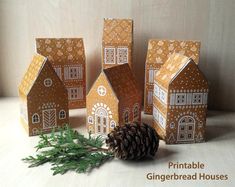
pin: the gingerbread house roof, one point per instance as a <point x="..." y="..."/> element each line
<point x="159" y="50"/>
<point x="117" y="31"/>
<point x="171" y="68"/>
<point x="61" y="50"/>
<point x="31" y="74"/>
<point x="122" y="81"/>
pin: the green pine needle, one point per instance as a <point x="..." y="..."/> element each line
<point x="68" y="150"/>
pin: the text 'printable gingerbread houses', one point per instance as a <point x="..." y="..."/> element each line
<point x="114" y="99"/>
<point x="157" y="54"/>
<point x="43" y="98"/>
<point x="117" y="42"/>
<point x="67" y="57"/>
<point x="180" y="101"/>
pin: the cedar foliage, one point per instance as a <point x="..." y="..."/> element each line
<point x="69" y="150"/>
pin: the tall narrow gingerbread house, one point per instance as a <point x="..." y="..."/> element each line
<point x="43" y="98"/>
<point x="158" y="52"/>
<point x="117" y="42"/>
<point x="67" y="57"/>
<point x="180" y="101"/>
<point x="114" y="99"/>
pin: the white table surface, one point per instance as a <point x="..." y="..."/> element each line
<point x="217" y="154"/>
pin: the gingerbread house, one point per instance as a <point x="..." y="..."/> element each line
<point x="158" y="52"/>
<point x="43" y="98"/>
<point x="117" y="42"/>
<point x="180" y="101"/>
<point x="114" y="99"/>
<point x="67" y="57"/>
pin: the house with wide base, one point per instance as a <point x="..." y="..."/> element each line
<point x="114" y="99"/>
<point x="180" y="101"/>
<point x="43" y="98"/>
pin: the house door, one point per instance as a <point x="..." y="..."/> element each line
<point x="101" y="121"/>
<point x="186" y="129"/>
<point x="49" y="118"/>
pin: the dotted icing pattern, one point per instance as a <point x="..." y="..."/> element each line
<point x="158" y="53"/>
<point x="64" y="53"/>
<point x="117" y="31"/>
<point x="31" y="74"/>
<point x="61" y="50"/>
<point x="126" y="86"/>
<point x="181" y="75"/>
<point x="160" y="50"/>
<point x="121" y="94"/>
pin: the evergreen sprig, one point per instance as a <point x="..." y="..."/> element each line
<point x="68" y="150"/>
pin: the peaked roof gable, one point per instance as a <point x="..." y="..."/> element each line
<point x="171" y="68"/>
<point x="159" y="50"/>
<point x="61" y="49"/>
<point x="117" y="31"/>
<point x="122" y="81"/>
<point x="31" y="74"/>
<point x="101" y="78"/>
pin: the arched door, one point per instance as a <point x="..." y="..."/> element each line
<point x="186" y="128"/>
<point x="101" y="120"/>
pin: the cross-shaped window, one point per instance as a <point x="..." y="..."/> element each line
<point x="101" y="90"/>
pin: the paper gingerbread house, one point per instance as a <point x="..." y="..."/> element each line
<point x="158" y="53"/>
<point x="114" y="99"/>
<point x="180" y="101"/>
<point x="43" y="98"/>
<point x="67" y="57"/>
<point x="117" y="42"/>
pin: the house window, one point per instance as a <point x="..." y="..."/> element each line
<point x="73" y="72"/>
<point x="151" y="76"/>
<point x="75" y="93"/>
<point x="90" y="120"/>
<point x="156" y="90"/>
<point x="109" y="55"/>
<point x="197" y="98"/>
<point x="122" y="55"/>
<point x="186" y="128"/>
<point x="162" y="121"/>
<point x="172" y="125"/>
<point x="189" y="98"/>
<point x="58" y="72"/>
<point x="126" y="116"/>
<point x="136" y="111"/>
<point x="101" y="90"/>
<point x="62" y="114"/>
<point x="150" y="97"/>
<point x="180" y="99"/>
<point x="172" y="99"/>
<point x="155" y="113"/>
<point x="112" y="124"/>
<point x="35" y="118"/>
<point x="205" y="98"/>
<point x="163" y="96"/>
<point x="47" y="82"/>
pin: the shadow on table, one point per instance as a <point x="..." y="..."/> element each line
<point x="162" y="155"/>
<point x="219" y="133"/>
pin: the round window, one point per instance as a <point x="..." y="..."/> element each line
<point x="101" y="90"/>
<point x="48" y="82"/>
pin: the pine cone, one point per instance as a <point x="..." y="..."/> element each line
<point x="133" y="141"/>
